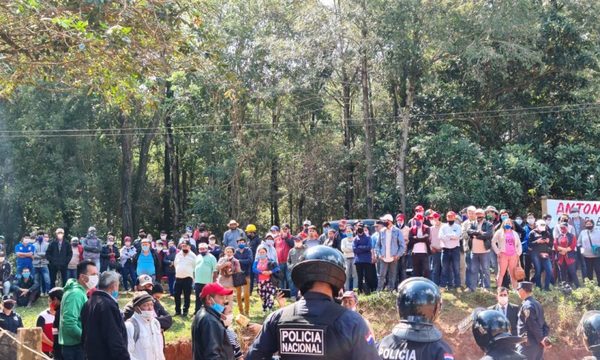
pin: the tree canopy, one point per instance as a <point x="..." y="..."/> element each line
<point x="161" y="113"/>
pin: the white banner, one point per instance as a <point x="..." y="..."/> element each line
<point x="587" y="209"/>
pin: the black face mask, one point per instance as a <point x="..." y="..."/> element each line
<point x="450" y="222"/>
<point x="186" y="251"/>
<point x="480" y="219"/>
<point x="8" y="305"/>
<point x="589" y="227"/>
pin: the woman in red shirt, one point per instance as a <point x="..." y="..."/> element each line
<point x="566" y="246"/>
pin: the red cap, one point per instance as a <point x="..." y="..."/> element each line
<point x="419" y="208"/>
<point x="450" y="215"/>
<point x="419" y="217"/>
<point x="435" y="215"/>
<point x="399" y="217"/>
<point x="214" y="289"/>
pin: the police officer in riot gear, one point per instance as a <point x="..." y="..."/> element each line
<point x="415" y="337"/>
<point x="315" y="327"/>
<point x="491" y="330"/>
<point x="589" y="328"/>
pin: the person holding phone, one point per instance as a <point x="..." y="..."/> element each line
<point x="266" y="270"/>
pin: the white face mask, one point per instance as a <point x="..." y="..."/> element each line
<point x="541" y="228"/>
<point x="530" y="221"/>
<point x="147" y="314"/>
<point x="110" y="243"/>
<point x="92" y="281"/>
<point x="503" y="300"/>
<point x="228" y="320"/>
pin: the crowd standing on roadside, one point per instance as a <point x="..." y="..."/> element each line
<point x="421" y="252"/>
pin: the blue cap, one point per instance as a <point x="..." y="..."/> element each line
<point x="274" y="228"/>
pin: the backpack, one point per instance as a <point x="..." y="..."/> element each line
<point x="136" y="329"/>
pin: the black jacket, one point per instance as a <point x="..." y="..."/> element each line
<point x="56" y="258"/>
<point x="103" y="330"/>
<point x="347" y="335"/>
<point x="106" y="262"/>
<point x="5" y="272"/>
<point x="209" y="338"/>
<point x="512" y="313"/>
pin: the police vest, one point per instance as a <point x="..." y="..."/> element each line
<point x="301" y="336"/>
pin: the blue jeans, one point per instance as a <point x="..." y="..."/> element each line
<point x="283" y="270"/>
<point x="71" y="274"/>
<point x="171" y="281"/>
<point x="580" y="263"/>
<point x="451" y="268"/>
<point x="493" y="261"/>
<point x="436" y="266"/>
<point x="468" y="281"/>
<point x="351" y="276"/>
<point x="129" y="275"/>
<point x="43" y="277"/>
<point x="293" y="289"/>
<point x="568" y="273"/>
<point x="73" y="352"/>
<point x="480" y="264"/>
<point x="6" y="288"/>
<point x="540" y="264"/>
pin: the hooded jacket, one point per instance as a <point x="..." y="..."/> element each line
<point x="74" y="298"/>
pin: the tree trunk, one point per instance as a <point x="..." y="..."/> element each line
<point x="142" y="169"/>
<point x="369" y="131"/>
<point x="170" y="171"/>
<point x="301" y="201"/>
<point x="401" y="155"/>
<point x="274" y="188"/>
<point x="126" y="176"/>
<point x="349" y="188"/>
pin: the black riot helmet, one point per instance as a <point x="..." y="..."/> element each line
<point x="490" y="328"/>
<point x="589" y="327"/>
<point x="320" y="263"/>
<point x="419" y="301"/>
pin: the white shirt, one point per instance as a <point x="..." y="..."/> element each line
<point x="185" y="265"/>
<point x="388" y="246"/>
<point x="446" y="232"/>
<point x="149" y="345"/>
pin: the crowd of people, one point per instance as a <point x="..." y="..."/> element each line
<point x="458" y="254"/>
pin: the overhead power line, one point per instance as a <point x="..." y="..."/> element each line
<point x="511" y="115"/>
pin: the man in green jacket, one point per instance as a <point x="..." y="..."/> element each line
<point x="69" y="334"/>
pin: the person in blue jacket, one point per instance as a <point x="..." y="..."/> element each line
<point x="363" y="260"/>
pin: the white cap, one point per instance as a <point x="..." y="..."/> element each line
<point x="307" y="223"/>
<point x="387" y="217"/>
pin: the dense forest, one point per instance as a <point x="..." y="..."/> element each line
<point x="161" y="113"/>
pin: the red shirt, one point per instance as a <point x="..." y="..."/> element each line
<point x="282" y="249"/>
<point x="563" y="241"/>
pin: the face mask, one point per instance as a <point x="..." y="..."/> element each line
<point x="8" y="305"/>
<point x="92" y="281"/>
<point x="147" y="314"/>
<point x="507" y="227"/>
<point x="479" y="218"/>
<point x="1" y="259"/>
<point x="26" y="275"/>
<point x="541" y="228"/>
<point x="503" y="300"/>
<point x="218" y="308"/>
<point x="349" y="235"/>
<point x="451" y="222"/>
<point x="228" y="320"/>
<point x="589" y="227"/>
<point x="298" y="244"/>
<point x="530" y="221"/>
<point x="576" y="214"/>
<point x="163" y="237"/>
<point x="261" y="257"/>
<point x="242" y="246"/>
<point x="110" y="243"/>
<point x="203" y="252"/>
<point x="418" y="223"/>
<point x="353" y="308"/>
<point x="115" y="294"/>
<point x="128" y="244"/>
<point x="74" y="244"/>
<point x="519" y="221"/>
<point x="186" y="251"/>
<point x="270" y="242"/>
<point x="563" y="230"/>
<point x="212" y="242"/>
<point x="489" y="217"/>
<point x="189" y="233"/>
<point x="159" y="248"/>
<point x="145" y="248"/>
<point x="504" y="217"/>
